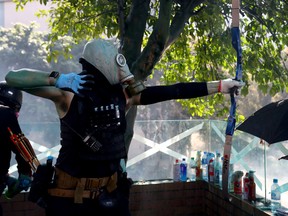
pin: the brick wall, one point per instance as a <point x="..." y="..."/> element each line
<point x="216" y="205"/>
<point x="164" y="199"/>
<point x="19" y="206"/>
<point x="168" y="199"/>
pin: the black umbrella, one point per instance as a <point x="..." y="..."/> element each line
<point x="269" y="123"/>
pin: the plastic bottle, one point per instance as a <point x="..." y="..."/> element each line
<point x="221" y="170"/>
<point x="252" y="187"/>
<point x="245" y="186"/>
<point x="183" y="170"/>
<point x="49" y="161"/>
<point x="176" y="170"/>
<point x="217" y="167"/>
<point x="211" y="171"/>
<point x="204" y="166"/>
<point x="230" y="178"/>
<point x="209" y="156"/>
<point x="198" y="166"/>
<point x="237" y="179"/>
<point x="192" y="166"/>
<point x="49" y="164"/>
<point x="275" y="196"/>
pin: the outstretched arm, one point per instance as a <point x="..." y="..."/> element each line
<point x="157" y="94"/>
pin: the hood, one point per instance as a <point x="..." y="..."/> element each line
<point x="103" y="55"/>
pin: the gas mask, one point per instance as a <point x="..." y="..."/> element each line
<point x="104" y="56"/>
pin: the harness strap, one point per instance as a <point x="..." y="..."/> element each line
<point x="89" y="194"/>
<point x="67" y="193"/>
<point x="78" y="197"/>
<point x="79" y="188"/>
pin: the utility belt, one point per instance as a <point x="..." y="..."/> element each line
<point x="79" y="188"/>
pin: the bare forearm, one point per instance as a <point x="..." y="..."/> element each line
<point x="28" y="78"/>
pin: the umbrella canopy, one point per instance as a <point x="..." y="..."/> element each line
<point x="284" y="157"/>
<point x="269" y="123"/>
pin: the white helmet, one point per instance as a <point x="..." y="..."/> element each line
<point x="104" y="55"/>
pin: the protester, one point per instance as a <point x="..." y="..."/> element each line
<point x="10" y="104"/>
<point x="91" y="106"/>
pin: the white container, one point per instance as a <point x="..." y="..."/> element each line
<point x="192" y="166"/>
<point x="176" y="171"/>
<point x="275" y="196"/>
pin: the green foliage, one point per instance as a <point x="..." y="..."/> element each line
<point x="202" y="52"/>
<point x="197" y="56"/>
<point x="82" y="20"/>
<point x="22" y="46"/>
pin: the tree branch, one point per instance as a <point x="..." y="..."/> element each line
<point x="181" y="18"/>
<point x="121" y="18"/>
<point x="156" y="43"/>
<point x="135" y="27"/>
<point x="260" y="20"/>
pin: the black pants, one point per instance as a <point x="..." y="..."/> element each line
<point x="59" y="206"/>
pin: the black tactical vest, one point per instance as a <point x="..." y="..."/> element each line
<point x="99" y="119"/>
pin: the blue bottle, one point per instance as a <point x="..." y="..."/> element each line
<point x="204" y="166"/>
<point x="217" y="167"/>
<point x="183" y="170"/>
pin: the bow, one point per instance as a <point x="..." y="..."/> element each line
<point x="236" y="43"/>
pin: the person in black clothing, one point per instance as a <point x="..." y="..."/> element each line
<point x="91" y="106"/>
<point x="10" y="104"/>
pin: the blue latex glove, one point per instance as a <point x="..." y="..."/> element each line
<point x="77" y="83"/>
